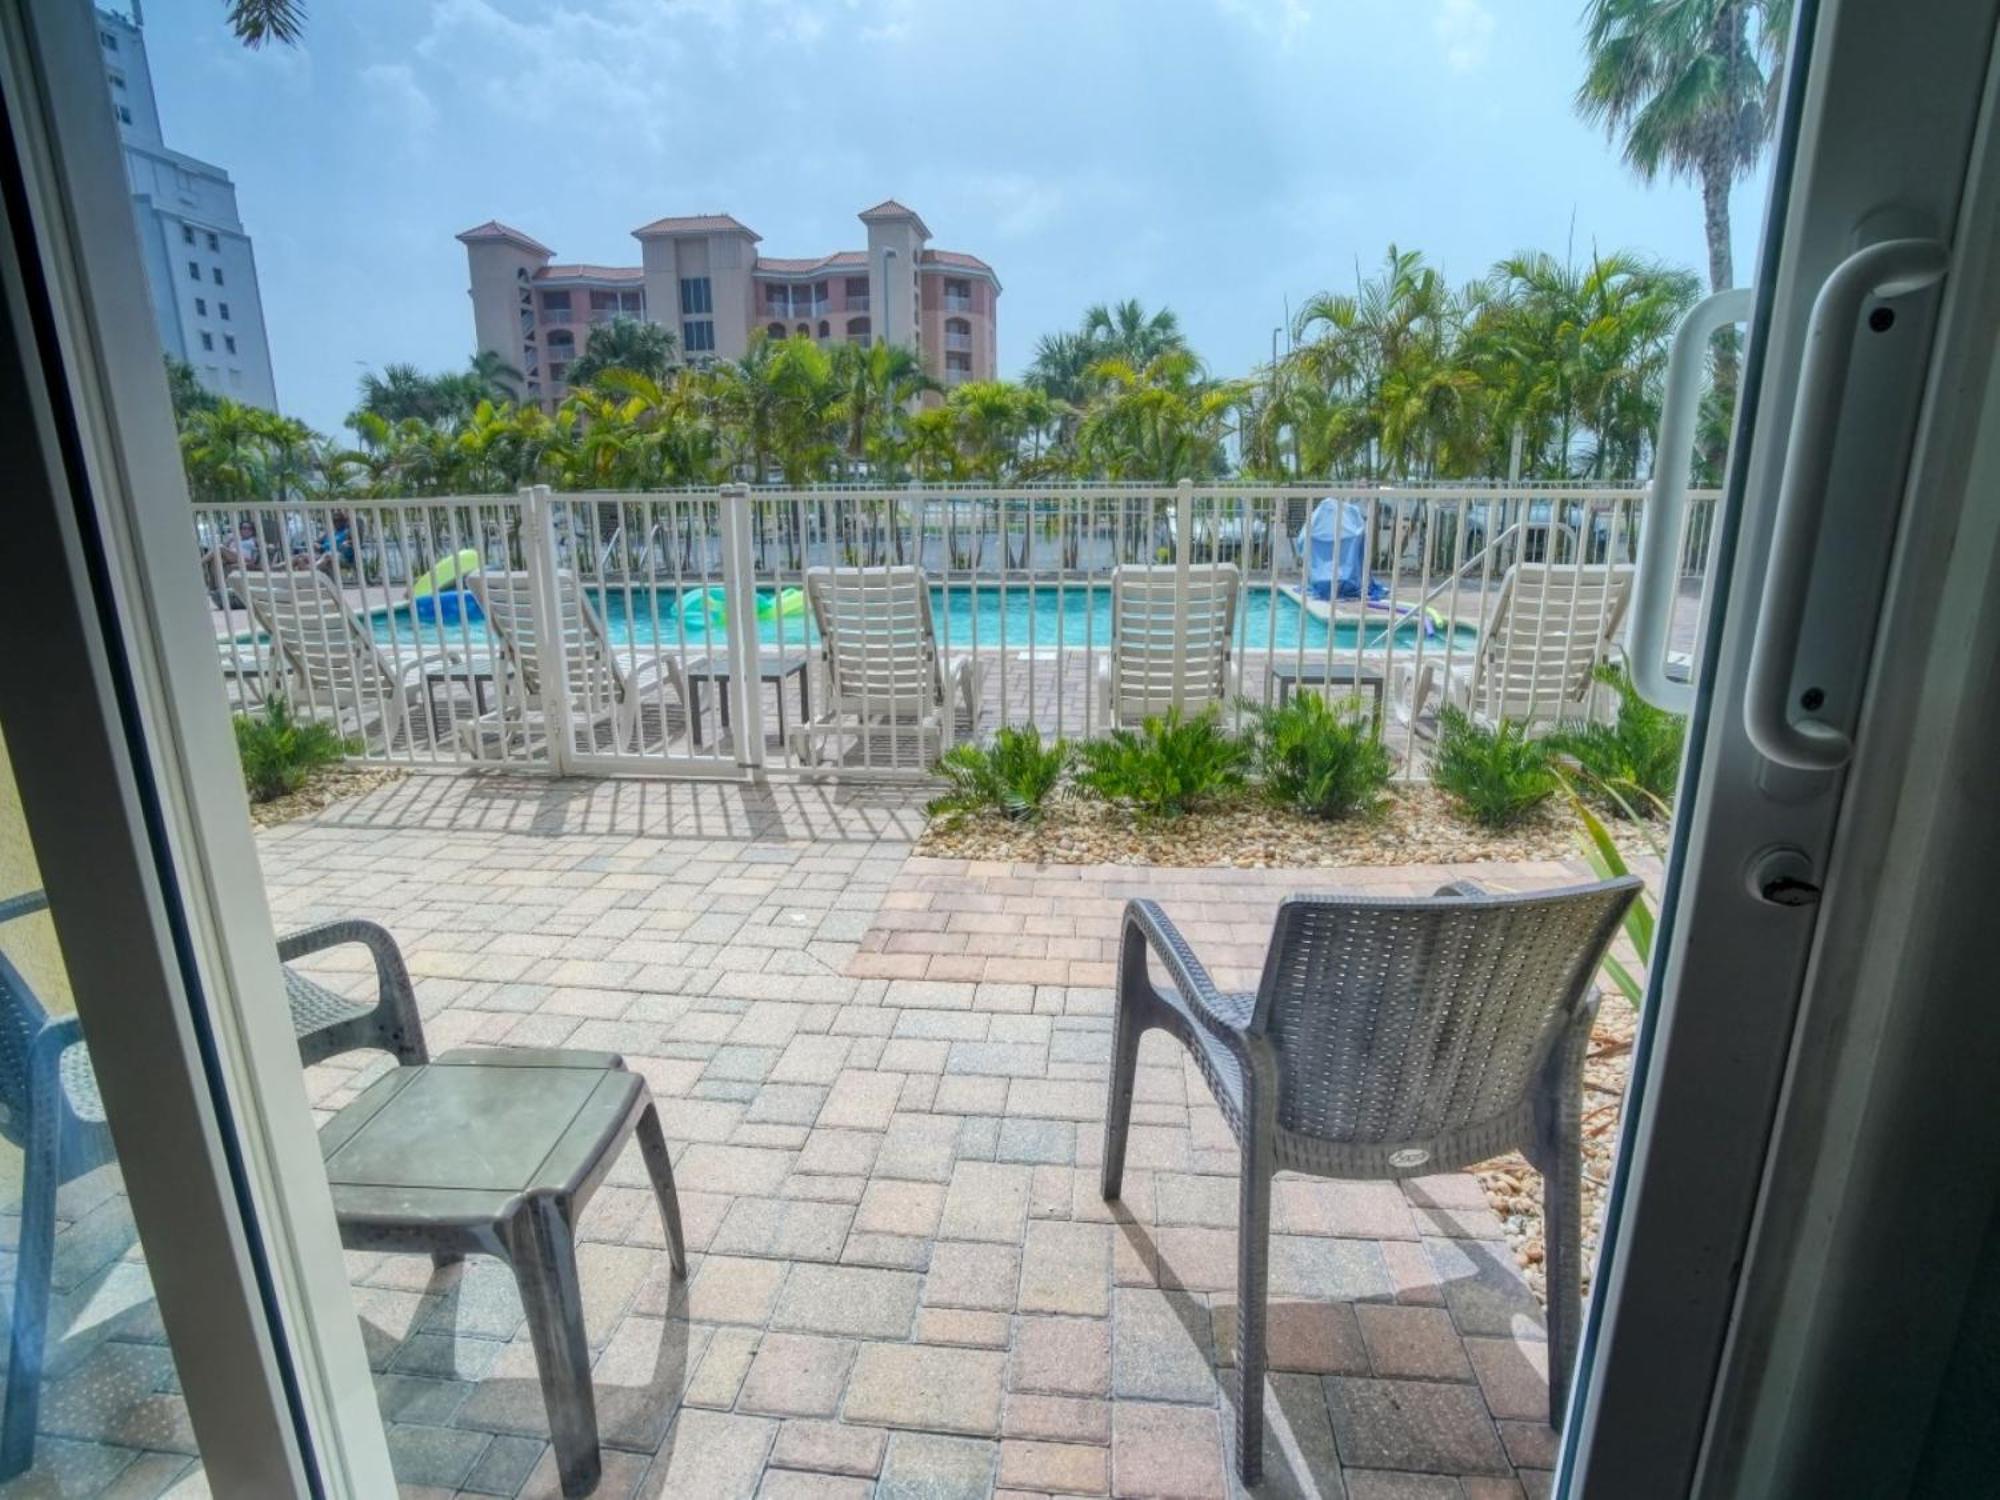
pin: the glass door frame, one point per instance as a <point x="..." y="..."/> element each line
<point x="1887" y="121"/>
<point x="121" y="744"/>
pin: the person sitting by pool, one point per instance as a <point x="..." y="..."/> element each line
<point x="337" y="546"/>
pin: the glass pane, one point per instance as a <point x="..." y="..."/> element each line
<point x="92" y="1400"/>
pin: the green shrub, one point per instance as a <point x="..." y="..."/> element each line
<point x="1323" y="761"/>
<point x="1167" y="767"/>
<point x="1629" y="766"/>
<point x="1496" y="777"/>
<point x="1608" y="861"/>
<point x="1014" y="776"/>
<point x="279" y="750"/>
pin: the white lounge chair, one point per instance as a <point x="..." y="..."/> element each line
<point x="886" y="684"/>
<point x="1170" y="647"/>
<point x="1551" y="624"/>
<point x="606" y="694"/>
<point x="334" y="663"/>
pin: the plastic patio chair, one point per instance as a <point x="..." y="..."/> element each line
<point x="1169" y="648"/>
<point x="1388" y="1038"/>
<point x="887" y="682"/>
<point x="51" y="1109"/>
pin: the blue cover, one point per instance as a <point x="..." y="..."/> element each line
<point x="444" y="608"/>
<point x="1339" y="529"/>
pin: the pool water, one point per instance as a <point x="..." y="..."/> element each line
<point x="1015" y="618"/>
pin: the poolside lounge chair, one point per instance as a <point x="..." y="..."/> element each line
<point x="1388" y="1038"/>
<point x="332" y="657"/>
<point x="50" y="1108"/>
<point x="887" y="688"/>
<point x="1169" y="649"/>
<point x="606" y="694"/>
<point x="1551" y="624"/>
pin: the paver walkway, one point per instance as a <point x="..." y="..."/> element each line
<point x="905" y="1283"/>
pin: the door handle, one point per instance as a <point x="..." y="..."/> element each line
<point x="1888" y="269"/>
<point x="1657" y="580"/>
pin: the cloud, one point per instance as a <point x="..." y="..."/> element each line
<point x="395" y="90"/>
<point x="1464" y="29"/>
<point x="1019" y="204"/>
<point x="1283" y="19"/>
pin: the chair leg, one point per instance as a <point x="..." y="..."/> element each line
<point x="1562" y="1208"/>
<point x="544" y="1256"/>
<point x="1126" y="1033"/>
<point x="28" y="1337"/>
<point x="1253" y="1258"/>
<point x="660" y="1167"/>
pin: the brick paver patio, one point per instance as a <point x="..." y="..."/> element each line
<point x="882" y="1079"/>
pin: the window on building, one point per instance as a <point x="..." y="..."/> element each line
<point x="819" y="293"/>
<point x="559" y="373"/>
<point x="857" y="286"/>
<point x="229" y="342"/>
<point x="696" y="296"/>
<point x="194" y="270"/>
<point x="857" y="330"/>
<point x="187" y="234"/>
<point x="632" y="302"/>
<point x="208" y="341"/>
<point x="825" y="328"/>
<point x="117" y="79"/>
<point x="697" y="337"/>
<point x="110" y="40"/>
<point x="555" y="301"/>
<point x="222" y="309"/>
<point x="213" y="242"/>
<point x="217" y="273"/>
<point x="201" y="307"/>
<point x="124" y="115"/>
<point x="603" y="301"/>
<point x="775" y="330"/>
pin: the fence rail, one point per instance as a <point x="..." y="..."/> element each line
<point x="701" y="632"/>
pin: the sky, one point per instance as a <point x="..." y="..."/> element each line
<point x="1226" y="158"/>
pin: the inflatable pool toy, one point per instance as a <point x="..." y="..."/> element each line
<point x="440" y="596"/>
<point x="709" y="607"/>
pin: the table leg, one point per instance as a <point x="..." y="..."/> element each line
<point x="694" y="710"/>
<point x="543" y="1250"/>
<point x="779" y="684"/>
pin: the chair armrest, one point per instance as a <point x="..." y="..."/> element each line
<point x="1190" y="978"/>
<point x="397" y="996"/>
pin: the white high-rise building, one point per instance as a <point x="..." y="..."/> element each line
<point x="199" y="264"/>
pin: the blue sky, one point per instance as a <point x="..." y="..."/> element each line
<point x="1218" y="156"/>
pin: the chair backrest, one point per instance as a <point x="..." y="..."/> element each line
<point x="596" y="677"/>
<point x="1551" y="624"/>
<point x="1402" y="1020"/>
<point x="878" y="640"/>
<point x="1164" y="655"/>
<point x="322" y="639"/>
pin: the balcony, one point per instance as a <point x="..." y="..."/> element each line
<point x="960" y="341"/>
<point x="555" y="317"/>
<point x="857" y="304"/>
<point x="957" y="302"/>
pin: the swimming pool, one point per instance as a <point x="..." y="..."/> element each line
<point x="1015" y="618"/>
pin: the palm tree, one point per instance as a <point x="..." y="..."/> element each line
<point x="1694" y="86"/>
<point x="878" y="385"/>
<point x="256" y="22"/>
<point x="497" y="379"/>
<point x="625" y="343"/>
<point x="1126" y="331"/>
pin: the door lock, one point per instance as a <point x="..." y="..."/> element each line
<point x="1783" y="876"/>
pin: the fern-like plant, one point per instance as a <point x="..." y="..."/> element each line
<point x="1496" y="776"/>
<point x="279" y="750"/>
<point x="1169" y="766"/>
<point x="1632" y="765"/>
<point x="1016" y="776"/>
<point x="1607" y="860"/>
<point x="1326" y="762"/>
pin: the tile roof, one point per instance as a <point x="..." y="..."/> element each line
<point x="957" y="259"/>
<point x="493" y="229"/>
<point x="590" y="273"/>
<point x="768" y="266"/>
<point x="697" y="224"/>
<point x="889" y="208"/>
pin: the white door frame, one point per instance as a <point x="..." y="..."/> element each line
<point x="109" y="689"/>
<point x="1879" y="136"/>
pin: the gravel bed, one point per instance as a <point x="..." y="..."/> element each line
<point x="322" y="790"/>
<point x="1417" y="827"/>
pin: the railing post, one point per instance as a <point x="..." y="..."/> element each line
<point x="1183" y="545"/>
<point x="739" y="587"/>
<point x="551" y="657"/>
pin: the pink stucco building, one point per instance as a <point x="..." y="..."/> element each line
<point x="702" y="277"/>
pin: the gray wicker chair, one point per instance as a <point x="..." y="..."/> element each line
<point x="50" y="1108"/>
<point x="1388" y="1038"/>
